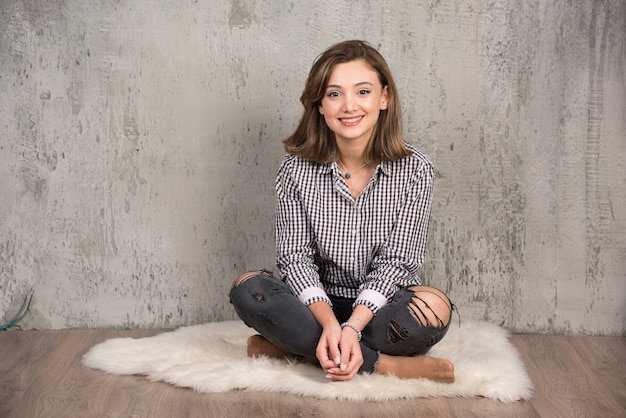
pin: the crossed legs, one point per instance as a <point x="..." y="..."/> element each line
<point x="428" y="308"/>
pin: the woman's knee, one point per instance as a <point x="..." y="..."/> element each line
<point x="245" y="298"/>
<point x="239" y="280"/>
<point x="430" y="306"/>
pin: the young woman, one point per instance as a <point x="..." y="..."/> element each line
<point x="353" y="203"/>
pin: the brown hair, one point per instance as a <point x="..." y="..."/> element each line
<point x="313" y="140"/>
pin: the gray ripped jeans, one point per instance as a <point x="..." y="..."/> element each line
<point x="266" y="304"/>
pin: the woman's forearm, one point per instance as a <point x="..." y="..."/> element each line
<point x="323" y="313"/>
<point x="361" y="316"/>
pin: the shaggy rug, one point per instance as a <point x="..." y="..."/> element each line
<point x="212" y="358"/>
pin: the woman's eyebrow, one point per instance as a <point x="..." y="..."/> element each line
<point x="362" y="83"/>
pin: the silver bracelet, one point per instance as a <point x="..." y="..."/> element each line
<point x="349" y="325"/>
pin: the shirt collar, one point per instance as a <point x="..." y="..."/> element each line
<point x="327" y="168"/>
<point x="384" y="167"/>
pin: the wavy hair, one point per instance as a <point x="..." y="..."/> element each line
<point x="313" y="140"/>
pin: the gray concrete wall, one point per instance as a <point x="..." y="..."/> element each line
<point x="139" y="142"/>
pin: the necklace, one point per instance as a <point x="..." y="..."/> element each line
<point x="347" y="175"/>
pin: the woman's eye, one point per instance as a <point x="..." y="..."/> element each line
<point x="333" y="94"/>
<point x="364" y="91"/>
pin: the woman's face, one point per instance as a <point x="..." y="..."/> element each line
<point x="352" y="102"/>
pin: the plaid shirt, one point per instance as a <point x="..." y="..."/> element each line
<point x="366" y="249"/>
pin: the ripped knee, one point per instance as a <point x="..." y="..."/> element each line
<point x="397" y="332"/>
<point x="430" y="306"/>
<point x="239" y="280"/>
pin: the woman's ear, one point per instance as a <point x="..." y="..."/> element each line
<point x="384" y="100"/>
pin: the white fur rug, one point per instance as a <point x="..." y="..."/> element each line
<point x="212" y="358"/>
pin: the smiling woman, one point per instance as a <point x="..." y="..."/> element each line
<point x="353" y="204"/>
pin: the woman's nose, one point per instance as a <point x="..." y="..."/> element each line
<point x="349" y="103"/>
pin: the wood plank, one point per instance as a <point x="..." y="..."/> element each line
<point x="565" y="384"/>
<point x="607" y="358"/>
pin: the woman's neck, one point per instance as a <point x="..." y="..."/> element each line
<point x="351" y="154"/>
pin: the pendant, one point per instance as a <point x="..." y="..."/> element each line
<point x="347" y="175"/>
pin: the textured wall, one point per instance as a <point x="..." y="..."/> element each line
<point x="139" y="144"/>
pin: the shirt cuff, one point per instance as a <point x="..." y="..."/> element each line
<point x="372" y="299"/>
<point x="313" y="294"/>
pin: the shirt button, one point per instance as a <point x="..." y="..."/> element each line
<point x="351" y="258"/>
<point x="354" y="232"/>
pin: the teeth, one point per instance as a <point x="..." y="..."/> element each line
<point x="351" y="120"/>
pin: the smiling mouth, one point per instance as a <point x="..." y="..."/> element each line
<point x="351" y="121"/>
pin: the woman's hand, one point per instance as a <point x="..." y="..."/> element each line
<point x="328" y="352"/>
<point x="350" y="357"/>
<point x="338" y="350"/>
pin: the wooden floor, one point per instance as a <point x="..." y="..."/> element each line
<point x="41" y="376"/>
